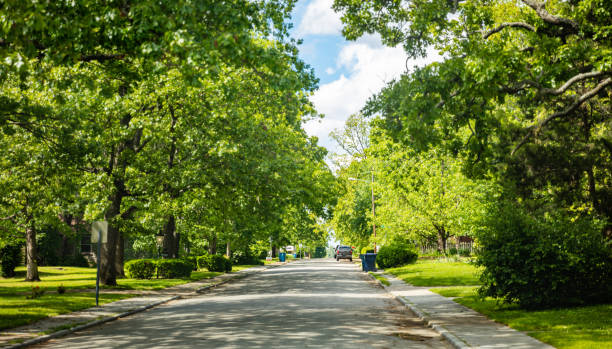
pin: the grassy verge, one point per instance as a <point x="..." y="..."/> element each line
<point x="564" y="328"/>
<point x="85" y="278"/>
<point x="236" y="268"/>
<point x="380" y="278"/>
<point x="437" y="273"/>
<point x="16" y="310"/>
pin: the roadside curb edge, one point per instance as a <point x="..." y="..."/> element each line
<point x="71" y="330"/>
<point x="449" y="336"/>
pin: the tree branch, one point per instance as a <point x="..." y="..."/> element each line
<point x="506" y="25"/>
<point x="540" y="9"/>
<point x="576" y="104"/>
<point x="570" y="82"/>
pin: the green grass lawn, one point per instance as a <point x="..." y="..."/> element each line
<point x="85" y="278"/>
<point x="437" y="273"/>
<point x="16" y="310"/>
<point x="381" y="278"/>
<point x="564" y="328"/>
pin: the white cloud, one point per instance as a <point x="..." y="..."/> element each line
<point x="321" y="19"/>
<point x="330" y="71"/>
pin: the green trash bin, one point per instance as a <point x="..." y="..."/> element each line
<point x="282" y="257"/>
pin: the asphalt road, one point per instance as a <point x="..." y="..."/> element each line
<point x="310" y="304"/>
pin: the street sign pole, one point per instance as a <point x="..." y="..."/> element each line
<point x="98" y="257"/>
<point x="99" y="233"/>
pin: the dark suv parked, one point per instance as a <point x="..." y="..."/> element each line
<point x="343" y="252"/>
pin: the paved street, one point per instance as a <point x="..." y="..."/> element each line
<point x="310" y="304"/>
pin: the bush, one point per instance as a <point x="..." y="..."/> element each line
<point x="203" y="261"/>
<point x="140" y="268"/>
<point x="543" y="262"/>
<point x="193" y="261"/>
<point x="10" y="257"/>
<point x="173" y="268"/>
<point x="219" y="263"/>
<point x="242" y="258"/>
<point x="319" y="252"/>
<point x="395" y="255"/>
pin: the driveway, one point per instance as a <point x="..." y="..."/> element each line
<point x="305" y="304"/>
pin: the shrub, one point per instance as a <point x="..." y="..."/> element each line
<point x="140" y="268"/>
<point x="219" y="263"/>
<point x="10" y="257"/>
<point x="173" y="268"/>
<point x="242" y="258"/>
<point x="396" y="254"/>
<point x="192" y="260"/>
<point x="543" y="262"/>
<point x="203" y="262"/>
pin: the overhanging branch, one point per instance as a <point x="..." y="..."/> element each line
<point x="540" y="9"/>
<point x="509" y="25"/>
<point x="533" y="129"/>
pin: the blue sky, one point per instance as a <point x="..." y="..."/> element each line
<point x="349" y="71"/>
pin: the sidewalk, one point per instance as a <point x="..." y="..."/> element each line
<point x="461" y="326"/>
<point x="64" y="324"/>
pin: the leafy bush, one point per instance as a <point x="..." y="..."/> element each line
<point x="203" y="261"/>
<point x="543" y="262"/>
<point x="395" y="255"/>
<point x="173" y="268"/>
<point x="319" y="252"/>
<point x="242" y="258"/>
<point x="193" y="261"/>
<point x="219" y="263"/>
<point x="10" y="257"/>
<point x="140" y="268"/>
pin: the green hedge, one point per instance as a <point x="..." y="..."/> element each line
<point x="163" y="268"/>
<point x="214" y="262"/>
<point x="140" y="268"/>
<point x="203" y="261"/>
<point x="395" y="255"/>
<point x="173" y="268"/>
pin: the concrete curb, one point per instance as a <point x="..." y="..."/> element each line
<point x="71" y="330"/>
<point x="449" y="336"/>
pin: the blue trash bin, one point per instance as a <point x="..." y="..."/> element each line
<point x="282" y="256"/>
<point x="368" y="262"/>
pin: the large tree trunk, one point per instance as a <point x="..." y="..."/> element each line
<point x="442" y="238"/>
<point x="273" y="251"/>
<point x="212" y="244"/>
<point x="119" y="254"/>
<point x="108" y="271"/>
<point x="31" y="255"/>
<point x="170" y="244"/>
<point x="228" y="249"/>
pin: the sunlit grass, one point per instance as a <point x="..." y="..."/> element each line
<point x="437" y="273"/>
<point x="380" y="278"/>
<point x="16" y="310"/>
<point x="564" y="328"/>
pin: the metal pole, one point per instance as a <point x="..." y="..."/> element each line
<point x="373" y="214"/>
<point x="99" y="261"/>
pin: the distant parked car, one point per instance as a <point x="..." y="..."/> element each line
<point x="343" y="252"/>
